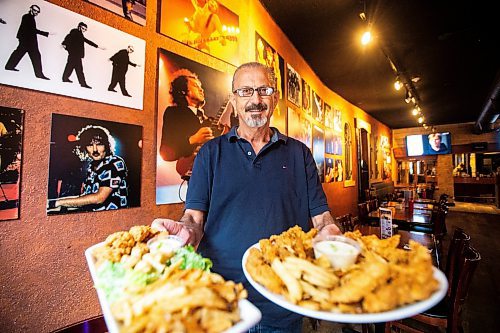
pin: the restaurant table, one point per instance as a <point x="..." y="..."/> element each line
<point x="427" y="201"/>
<point x="427" y="240"/>
<point x="406" y="219"/>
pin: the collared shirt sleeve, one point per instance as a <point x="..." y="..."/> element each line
<point x="198" y="194"/>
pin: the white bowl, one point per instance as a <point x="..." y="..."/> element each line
<point x="341" y="251"/>
<point x="165" y="244"/>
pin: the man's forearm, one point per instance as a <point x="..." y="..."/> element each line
<point x="193" y="220"/>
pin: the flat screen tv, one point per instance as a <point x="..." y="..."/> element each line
<point x="428" y="144"/>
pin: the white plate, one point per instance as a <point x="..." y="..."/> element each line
<point x="250" y="314"/>
<point x="363" y="318"/>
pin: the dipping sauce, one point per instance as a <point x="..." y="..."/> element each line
<point x="166" y="245"/>
<point x="341" y="251"/>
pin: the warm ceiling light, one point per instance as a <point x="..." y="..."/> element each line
<point x="414" y="111"/>
<point x="420" y="120"/>
<point x="366" y="38"/>
<point x="398" y="84"/>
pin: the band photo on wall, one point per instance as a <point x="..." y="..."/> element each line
<point x="265" y="54"/>
<point x="205" y="25"/>
<point x="48" y="48"/>
<point x="193" y="107"/>
<point x="11" y="144"/>
<point x="95" y="165"/>
<point x="132" y="10"/>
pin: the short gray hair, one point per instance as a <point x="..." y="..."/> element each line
<point x="254" y="65"/>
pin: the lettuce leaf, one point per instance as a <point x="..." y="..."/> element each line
<point x="191" y="259"/>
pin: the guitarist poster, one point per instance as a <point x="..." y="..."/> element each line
<point x="206" y="25"/>
<point x="193" y="107"/>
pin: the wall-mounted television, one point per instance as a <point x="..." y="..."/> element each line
<point x="428" y="144"/>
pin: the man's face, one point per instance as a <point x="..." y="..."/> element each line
<point x="130" y="49"/>
<point x="82" y="28"/>
<point x="254" y="111"/>
<point x="435" y="142"/>
<point x="34" y="10"/>
<point x="195" y="94"/>
<point x="96" y="150"/>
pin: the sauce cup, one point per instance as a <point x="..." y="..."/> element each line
<point x="341" y="251"/>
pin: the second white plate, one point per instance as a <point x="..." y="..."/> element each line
<point x="363" y="318"/>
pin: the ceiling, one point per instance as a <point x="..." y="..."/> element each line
<point x="452" y="46"/>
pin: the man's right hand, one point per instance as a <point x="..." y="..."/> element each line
<point x="187" y="235"/>
<point x="201" y="136"/>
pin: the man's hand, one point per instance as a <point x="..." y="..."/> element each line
<point x="330" y="229"/>
<point x="201" y="136"/>
<point x="186" y="232"/>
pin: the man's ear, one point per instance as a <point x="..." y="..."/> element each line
<point x="232" y="100"/>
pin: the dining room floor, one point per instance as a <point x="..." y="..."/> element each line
<point x="482" y="307"/>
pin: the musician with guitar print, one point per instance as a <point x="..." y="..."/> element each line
<point x="185" y="126"/>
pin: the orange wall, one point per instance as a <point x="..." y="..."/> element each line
<point x="44" y="279"/>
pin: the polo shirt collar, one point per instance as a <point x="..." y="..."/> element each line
<point x="233" y="135"/>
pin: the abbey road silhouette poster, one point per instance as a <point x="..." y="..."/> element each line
<point x="48" y="48"/>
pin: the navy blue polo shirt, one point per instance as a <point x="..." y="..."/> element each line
<point x="248" y="197"/>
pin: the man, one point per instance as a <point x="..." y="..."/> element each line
<point x="28" y="43"/>
<point x="435" y="143"/>
<point x="74" y="43"/>
<point x="121" y="61"/>
<point x="128" y="7"/>
<point x="105" y="187"/>
<point x="249" y="184"/>
<point x="185" y="125"/>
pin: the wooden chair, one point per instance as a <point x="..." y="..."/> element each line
<point x="447" y="314"/>
<point x="459" y="241"/>
<point x="363" y="212"/>
<point x="345" y="222"/>
<point x="372" y="204"/>
<point x="94" y="325"/>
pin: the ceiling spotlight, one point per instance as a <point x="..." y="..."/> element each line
<point x="397" y="84"/>
<point x="366" y="38"/>
<point x="362" y="16"/>
<point x="425" y="125"/>
<point x="420" y="119"/>
<point x="414" y="111"/>
<point x="415" y="79"/>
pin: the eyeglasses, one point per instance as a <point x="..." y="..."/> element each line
<point x="248" y="91"/>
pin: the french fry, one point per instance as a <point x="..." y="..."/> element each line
<point x="292" y="284"/>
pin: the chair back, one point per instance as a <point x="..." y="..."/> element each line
<point x="466" y="266"/>
<point x="363" y="212"/>
<point x="456" y="248"/>
<point x="439" y="223"/>
<point x="372" y="204"/>
<point x="345" y="222"/>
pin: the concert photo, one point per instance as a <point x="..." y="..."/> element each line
<point x="11" y="138"/>
<point x="193" y="107"/>
<point x="205" y="25"/>
<point x="95" y="165"/>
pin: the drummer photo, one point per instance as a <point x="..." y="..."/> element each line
<point x="11" y="136"/>
<point x="95" y="165"/>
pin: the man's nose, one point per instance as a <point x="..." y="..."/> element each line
<point x="256" y="97"/>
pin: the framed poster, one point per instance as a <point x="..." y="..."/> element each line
<point x="11" y="147"/>
<point x="299" y="127"/>
<point x="68" y="54"/>
<point x="205" y="25"/>
<point x="293" y="83"/>
<point x="95" y="165"/>
<point x="317" y="108"/>
<point x="193" y="99"/>
<point x="132" y="10"/>
<point x="306" y="97"/>
<point x="265" y="54"/>
<point x="328" y="115"/>
<point x="318" y="150"/>
<point x="337" y="120"/>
